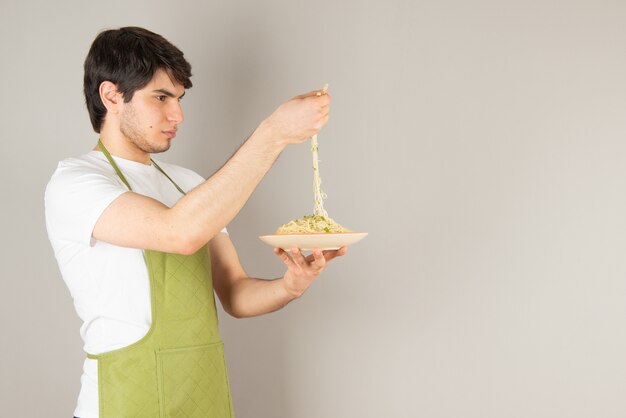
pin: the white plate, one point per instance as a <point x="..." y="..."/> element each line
<point x="325" y="241"/>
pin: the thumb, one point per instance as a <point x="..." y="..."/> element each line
<point x="312" y="93"/>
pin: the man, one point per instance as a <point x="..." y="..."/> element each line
<point x="142" y="244"/>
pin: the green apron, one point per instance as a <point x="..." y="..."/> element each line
<point x="177" y="369"/>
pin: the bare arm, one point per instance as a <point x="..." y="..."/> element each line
<point x="243" y="296"/>
<point x="137" y="221"/>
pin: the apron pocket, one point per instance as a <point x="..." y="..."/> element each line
<point x="193" y="382"/>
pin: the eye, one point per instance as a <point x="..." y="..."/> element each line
<point x="161" y="98"/>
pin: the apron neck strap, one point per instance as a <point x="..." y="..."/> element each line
<point x="168" y="177"/>
<point x="107" y="154"/>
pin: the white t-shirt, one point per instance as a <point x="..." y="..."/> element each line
<point x="109" y="284"/>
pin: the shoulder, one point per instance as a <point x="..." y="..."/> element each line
<point x="80" y="174"/>
<point x="79" y="190"/>
<point x="73" y="167"/>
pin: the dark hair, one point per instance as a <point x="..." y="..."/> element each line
<point x="129" y="57"/>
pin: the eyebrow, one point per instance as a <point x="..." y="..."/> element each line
<point x="168" y="93"/>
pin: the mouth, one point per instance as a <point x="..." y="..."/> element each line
<point x="170" y="134"/>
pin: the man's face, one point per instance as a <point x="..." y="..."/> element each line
<point x="150" y="120"/>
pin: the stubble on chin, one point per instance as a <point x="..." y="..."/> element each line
<point x="131" y="129"/>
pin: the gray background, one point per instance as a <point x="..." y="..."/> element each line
<point x="480" y="143"/>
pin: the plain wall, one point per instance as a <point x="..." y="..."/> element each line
<point x="480" y="143"/>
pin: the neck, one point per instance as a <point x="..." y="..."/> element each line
<point x="120" y="146"/>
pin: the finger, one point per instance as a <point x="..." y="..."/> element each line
<point x="282" y="254"/>
<point x="323" y="121"/>
<point x="323" y="101"/>
<point x="304" y="95"/>
<point x="316" y="258"/>
<point x="318" y="101"/>
<point x="330" y="254"/>
<point x="312" y="93"/>
<point x="298" y="258"/>
<point x="319" y="261"/>
<point x="323" y="91"/>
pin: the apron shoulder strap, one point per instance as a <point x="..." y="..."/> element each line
<point x="112" y="162"/>
<point x="168" y="177"/>
<point x="106" y="153"/>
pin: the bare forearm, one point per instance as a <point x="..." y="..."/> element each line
<point x="205" y="210"/>
<point x="138" y="221"/>
<point x="243" y="296"/>
<point x="252" y="297"/>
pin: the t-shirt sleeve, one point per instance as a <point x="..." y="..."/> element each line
<point x="75" y="199"/>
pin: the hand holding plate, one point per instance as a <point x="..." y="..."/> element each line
<point x="301" y="270"/>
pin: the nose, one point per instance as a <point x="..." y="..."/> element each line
<point x="175" y="113"/>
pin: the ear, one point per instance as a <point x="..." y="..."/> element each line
<point x="111" y="98"/>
